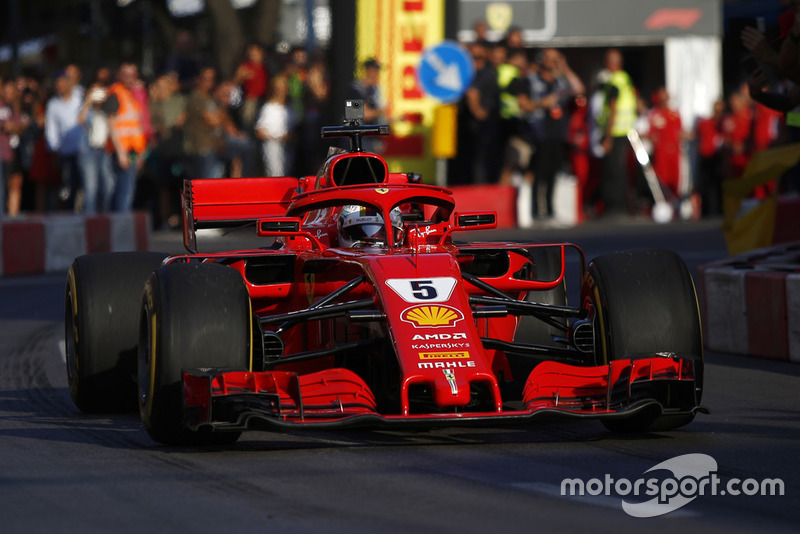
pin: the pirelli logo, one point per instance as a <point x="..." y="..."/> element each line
<point x="464" y="355"/>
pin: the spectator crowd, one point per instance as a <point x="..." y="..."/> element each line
<point x="118" y="141"/>
<point x="527" y="118"/>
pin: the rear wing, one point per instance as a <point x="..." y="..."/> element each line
<point x="233" y="202"/>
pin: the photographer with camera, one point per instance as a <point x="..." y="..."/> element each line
<point x="95" y="161"/>
<point x="553" y="87"/>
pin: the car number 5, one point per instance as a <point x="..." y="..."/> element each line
<point x="423" y="289"/>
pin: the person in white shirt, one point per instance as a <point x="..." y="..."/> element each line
<point x="274" y="126"/>
<point x="65" y="136"/>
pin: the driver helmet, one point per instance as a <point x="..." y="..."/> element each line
<point x="360" y="226"/>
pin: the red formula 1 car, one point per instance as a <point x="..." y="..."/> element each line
<point x="361" y="309"/>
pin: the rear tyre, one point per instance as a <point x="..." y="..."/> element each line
<point x="645" y="303"/>
<point x="193" y="315"/>
<point x="101" y="320"/>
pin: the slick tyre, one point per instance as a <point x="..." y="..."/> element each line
<point x="101" y="320"/>
<point x="645" y="303"/>
<point x="193" y="315"/>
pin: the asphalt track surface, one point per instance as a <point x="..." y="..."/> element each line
<point x="63" y="471"/>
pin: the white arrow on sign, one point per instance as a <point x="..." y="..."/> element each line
<point x="447" y="76"/>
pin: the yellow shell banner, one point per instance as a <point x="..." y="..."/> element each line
<point x="396" y="32"/>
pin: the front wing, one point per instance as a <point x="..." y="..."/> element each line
<point x="225" y="400"/>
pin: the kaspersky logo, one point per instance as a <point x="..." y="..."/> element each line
<point x="431" y="316"/>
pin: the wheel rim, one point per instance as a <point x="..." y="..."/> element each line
<point x="146" y="363"/>
<point x="70" y="342"/>
<point x="599" y="324"/>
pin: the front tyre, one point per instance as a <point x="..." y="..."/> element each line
<point x="194" y="315"/>
<point x="645" y="303"/>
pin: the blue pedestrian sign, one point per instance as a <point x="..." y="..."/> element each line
<point x="445" y="71"/>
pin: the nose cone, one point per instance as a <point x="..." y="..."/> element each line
<point x="451" y="388"/>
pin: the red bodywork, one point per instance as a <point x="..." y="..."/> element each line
<point x="414" y="332"/>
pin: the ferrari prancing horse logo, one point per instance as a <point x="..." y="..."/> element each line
<point x="450" y="376"/>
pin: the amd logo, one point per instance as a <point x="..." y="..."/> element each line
<point x="440" y="337"/>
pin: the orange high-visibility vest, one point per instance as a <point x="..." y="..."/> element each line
<point x="128" y="123"/>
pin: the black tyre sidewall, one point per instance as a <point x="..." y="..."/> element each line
<point x="102" y="298"/>
<point x="645" y="303"/>
<point x="194" y="315"/>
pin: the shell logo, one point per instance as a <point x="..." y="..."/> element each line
<point x="431" y="316"/>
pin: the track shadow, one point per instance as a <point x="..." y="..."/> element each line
<point x="754" y="363"/>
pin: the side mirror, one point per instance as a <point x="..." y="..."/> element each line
<point x="278" y="226"/>
<point x="285" y="227"/>
<point x="479" y="220"/>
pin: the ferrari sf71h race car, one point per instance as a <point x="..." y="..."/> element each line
<point x="362" y="309"/>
